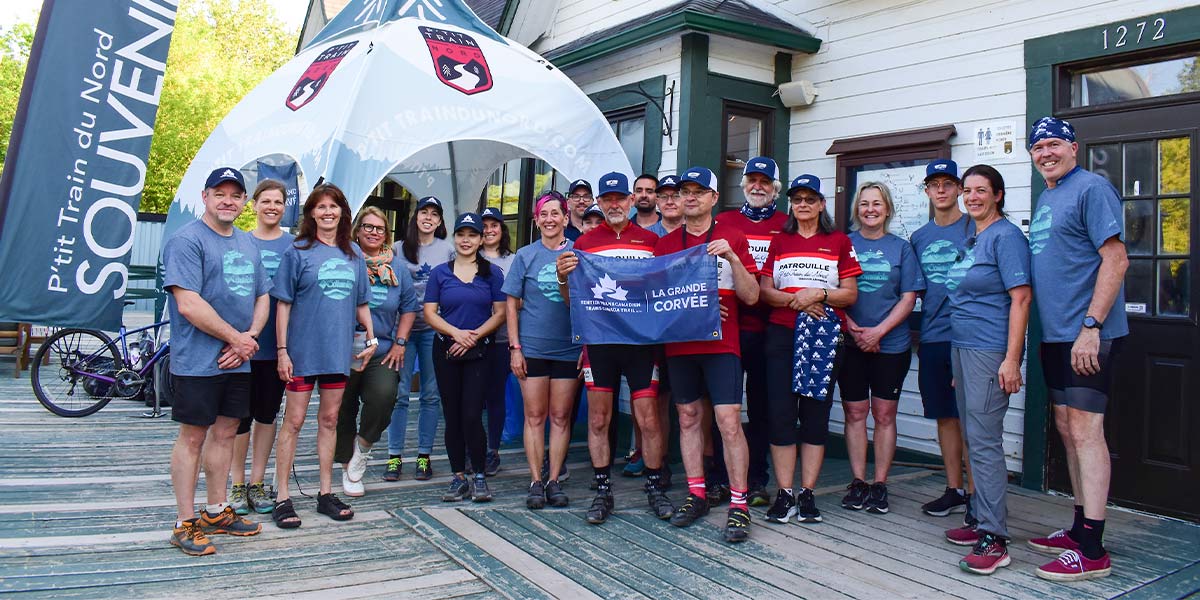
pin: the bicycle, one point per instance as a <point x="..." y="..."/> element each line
<point x="77" y="371"/>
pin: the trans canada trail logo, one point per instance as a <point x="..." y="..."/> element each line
<point x="458" y="60"/>
<point x="609" y="287"/>
<point x="317" y="75"/>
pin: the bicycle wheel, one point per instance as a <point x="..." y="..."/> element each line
<point x="62" y="369"/>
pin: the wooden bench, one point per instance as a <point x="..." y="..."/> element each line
<point x="14" y="341"/>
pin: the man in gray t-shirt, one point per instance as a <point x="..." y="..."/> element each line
<point x="218" y="305"/>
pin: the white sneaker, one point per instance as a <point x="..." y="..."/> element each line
<point x="354" y="489"/>
<point x="357" y="467"/>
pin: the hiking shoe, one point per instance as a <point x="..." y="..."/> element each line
<point x="636" y="465"/>
<point x="1074" y="566"/>
<point x="877" y="501"/>
<point x="693" y="508"/>
<point x="758" y="496"/>
<point x="717" y="493"/>
<point x="354" y="489"/>
<point x="660" y="505"/>
<point x="357" y="467"/>
<point x="990" y="553"/>
<point x="806" y="507"/>
<point x="424" y="469"/>
<point x="238" y="499"/>
<point x="1054" y="543"/>
<point x="227" y="522"/>
<point x="333" y="507"/>
<point x="261" y="498"/>
<point x="783" y="509"/>
<point x="392" y="471"/>
<point x="563" y="475"/>
<point x="737" y="527"/>
<point x="856" y="497"/>
<point x="189" y="538"/>
<point x="491" y="463"/>
<point x="963" y="536"/>
<point x="536" y="499"/>
<point x="458" y="490"/>
<point x="555" y="496"/>
<point x="602" y="506"/>
<point x="480" y="491"/>
<point x="951" y="501"/>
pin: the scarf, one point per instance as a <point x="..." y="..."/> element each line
<point x="379" y="268"/>
<point x="815" y="354"/>
<point x="760" y="213"/>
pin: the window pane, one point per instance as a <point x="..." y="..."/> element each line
<point x="632" y="134"/>
<point x="1139" y="168"/>
<point x="1139" y="228"/>
<point x="1174" y="288"/>
<point x="1175" y="166"/>
<point x="743" y="138"/>
<point x="495" y="187"/>
<point x="1139" y="283"/>
<point x="512" y="187"/>
<point x="1174" y="221"/>
<point x="1105" y="161"/>
<point x="1160" y="78"/>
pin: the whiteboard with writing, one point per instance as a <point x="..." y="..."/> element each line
<point x="908" y="195"/>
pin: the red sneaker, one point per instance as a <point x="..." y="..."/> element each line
<point x="989" y="554"/>
<point x="1054" y="543"/>
<point x="1074" y="566"/>
<point x="962" y="536"/>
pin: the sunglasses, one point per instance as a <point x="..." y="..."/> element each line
<point x="805" y="200"/>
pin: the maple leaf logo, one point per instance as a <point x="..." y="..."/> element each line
<point x="608" y="285"/>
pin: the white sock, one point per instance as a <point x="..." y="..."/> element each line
<point x="215" y="509"/>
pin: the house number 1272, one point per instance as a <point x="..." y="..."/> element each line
<point x="1123" y="35"/>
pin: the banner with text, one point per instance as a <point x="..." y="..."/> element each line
<point x="658" y="300"/>
<point x="286" y="175"/>
<point x="76" y="161"/>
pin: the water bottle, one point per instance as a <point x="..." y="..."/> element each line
<point x="360" y="344"/>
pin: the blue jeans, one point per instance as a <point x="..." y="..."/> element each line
<point x="420" y="344"/>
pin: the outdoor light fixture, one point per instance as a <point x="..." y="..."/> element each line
<point x="795" y="94"/>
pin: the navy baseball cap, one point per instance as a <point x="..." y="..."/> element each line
<point x="492" y="212"/>
<point x="469" y="220"/>
<point x="701" y="176"/>
<point x="942" y="166"/>
<point x="593" y="209"/>
<point x="805" y="181"/>
<point x="613" y="183"/>
<point x="579" y="183"/>
<point x="670" y="181"/>
<point x="429" y="201"/>
<point x="222" y="174"/>
<point x="764" y="165"/>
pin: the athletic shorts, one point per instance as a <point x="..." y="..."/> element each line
<point x="606" y="363"/>
<point x="717" y="375"/>
<point x="664" y="374"/>
<point x="554" y="369"/>
<point x="868" y="375"/>
<point x="327" y="381"/>
<point x="200" y="400"/>
<point x="266" y="394"/>
<point x="1085" y="392"/>
<point x="935" y="377"/>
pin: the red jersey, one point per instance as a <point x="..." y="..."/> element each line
<point x="795" y="263"/>
<point x="632" y="242"/>
<point x="758" y="235"/>
<point x="674" y="242"/>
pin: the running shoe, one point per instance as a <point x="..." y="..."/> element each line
<point x="758" y="496"/>
<point x="967" y="535"/>
<point x="951" y="501"/>
<point x="856" y="497"/>
<point x="458" y="489"/>
<point x="660" y="505"/>
<point x="536" y="498"/>
<point x="189" y="538"/>
<point x="424" y="469"/>
<point x="877" y="501"/>
<point x="693" y="508"/>
<point x="238" y="499"/>
<point x="1072" y="565"/>
<point x="555" y="496"/>
<point x="480" y="491"/>
<point x="784" y="508"/>
<point x="1055" y="543"/>
<point x="737" y="527"/>
<point x="806" y="507"/>
<point x="357" y="467"/>
<point x="227" y="522"/>
<point x="392" y="472"/>
<point x="262" y="498"/>
<point x="354" y="489"/>
<point x="990" y="553"/>
<point x="491" y="463"/>
<point x="602" y="507"/>
<point x="635" y="466"/>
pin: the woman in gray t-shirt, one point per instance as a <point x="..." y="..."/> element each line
<point x="497" y="249"/>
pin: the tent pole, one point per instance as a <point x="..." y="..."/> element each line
<point x="453" y="176"/>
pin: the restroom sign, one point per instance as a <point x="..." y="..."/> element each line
<point x="996" y="140"/>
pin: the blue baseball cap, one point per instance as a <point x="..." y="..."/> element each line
<point x="805" y="181"/>
<point x="579" y="183"/>
<point x="763" y="165"/>
<point x="1050" y="127"/>
<point x="700" y="176"/>
<point x="942" y="166"/>
<point x="613" y="183"/>
<point x="429" y="201"/>
<point x="670" y="181"/>
<point x="593" y="209"/>
<point x="222" y="174"/>
<point x="469" y="220"/>
<point x="492" y="212"/>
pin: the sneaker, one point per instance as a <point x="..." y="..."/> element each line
<point x="189" y="538"/>
<point x="990" y="553"/>
<point x="261" y="498"/>
<point x="602" y="506"/>
<point x="238" y="499"/>
<point x="737" y="527"/>
<point x="758" y="496"/>
<point x="1074" y="566"/>
<point x="693" y="508"/>
<point x="784" y="508"/>
<point x="458" y="489"/>
<point x="562" y="475"/>
<point x="636" y="465"/>
<point x="806" y="508"/>
<point x="491" y="463"/>
<point x="877" y="501"/>
<point x="856" y="497"/>
<point x="660" y="505"/>
<point x="424" y="469"/>
<point x="718" y="494"/>
<point x="963" y="536"/>
<point x="357" y="467"/>
<point x="1054" y="543"/>
<point x="392" y="471"/>
<point x="536" y="498"/>
<point x="480" y="491"/>
<point x="555" y="496"/>
<point x="354" y="489"/>
<point x="227" y="522"/>
<point x="951" y="501"/>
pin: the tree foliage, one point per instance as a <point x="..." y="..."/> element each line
<point x="15" y="44"/>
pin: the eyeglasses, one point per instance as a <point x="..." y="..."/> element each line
<point x="665" y="197"/>
<point x="805" y="199"/>
<point x="943" y="184"/>
<point x="578" y="197"/>
<point x="373" y="228"/>
<point x="693" y="193"/>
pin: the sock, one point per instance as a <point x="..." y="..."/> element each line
<point x="391" y="456"/>
<point x="420" y="456"/>
<point x="601" y="474"/>
<point x="178" y="524"/>
<point x="1090" y="543"/>
<point x="738" y="498"/>
<point x="789" y="492"/>
<point x="215" y="509"/>
<point x="653" y="478"/>
<point x="696" y="487"/>
<point x="1076" y="530"/>
<point x="961" y="492"/>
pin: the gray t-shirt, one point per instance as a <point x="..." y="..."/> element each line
<point x="270" y="252"/>
<point x="890" y="269"/>
<point x="505" y="263"/>
<point x="324" y="287"/>
<point x="388" y="302"/>
<point x="544" y="321"/>
<point x="995" y="264"/>
<point x="225" y="271"/>
<point x="1072" y="221"/>
<point x="437" y="252"/>
<point x="938" y="247"/>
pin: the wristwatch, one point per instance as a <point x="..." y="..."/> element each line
<point x="401" y="342"/>
<point x="371" y="342"/>
<point x="1090" y="322"/>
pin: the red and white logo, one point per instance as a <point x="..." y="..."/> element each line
<point x="317" y="75"/>
<point x="458" y="61"/>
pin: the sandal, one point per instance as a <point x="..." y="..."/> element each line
<point x="331" y="505"/>
<point x="284" y="515"/>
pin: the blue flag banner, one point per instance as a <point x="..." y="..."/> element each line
<point x="657" y="300"/>
<point x="285" y="174"/>
<point x="76" y="161"/>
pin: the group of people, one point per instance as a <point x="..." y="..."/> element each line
<point x="803" y="307"/>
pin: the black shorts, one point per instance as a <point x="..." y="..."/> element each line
<point x="719" y="376"/>
<point x="867" y="375"/>
<point x="790" y="416"/>
<point x="266" y="394"/>
<point x="200" y="400"/>
<point x="326" y="381"/>
<point x="554" y="369"/>
<point x="935" y="378"/>
<point x="1085" y="392"/>
<point x="606" y="363"/>
<point x="664" y="374"/>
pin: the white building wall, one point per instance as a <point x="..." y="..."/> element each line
<point x="577" y="18"/>
<point x="742" y="59"/>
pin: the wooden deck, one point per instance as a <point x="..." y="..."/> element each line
<point x="86" y="507"/>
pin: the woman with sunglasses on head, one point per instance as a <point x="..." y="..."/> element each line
<point x="322" y="289"/>
<point x="497" y="249"/>
<point x="807" y="278"/>
<point x="393" y="307"/>
<point x="464" y="305"/>
<point x="989" y="299"/>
